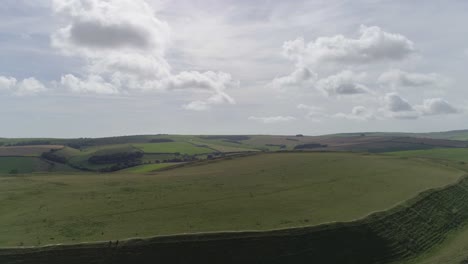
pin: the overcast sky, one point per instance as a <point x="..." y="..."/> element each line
<point x="88" y="68"/>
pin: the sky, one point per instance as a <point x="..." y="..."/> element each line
<point x="94" y="68"/>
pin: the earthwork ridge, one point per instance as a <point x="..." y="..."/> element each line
<point x="398" y="234"/>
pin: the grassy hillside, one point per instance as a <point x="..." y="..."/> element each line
<point x="403" y="233"/>
<point x="455" y="135"/>
<point x="454" y="249"/>
<point x="455" y="154"/>
<point x="450" y="135"/>
<point x="259" y="192"/>
<point x="146" y="168"/>
<point x="173" y="147"/>
<point x="27" y="151"/>
<point x="20" y="165"/>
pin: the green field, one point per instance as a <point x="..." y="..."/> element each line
<point x="224" y="147"/>
<point x="27" y="151"/>
<point x="260" y="192"/>
<point x="173" y="147"/>
<point x="20" y="165"/>
<point x="147" y="168"/>
<point x="454" y="154"/>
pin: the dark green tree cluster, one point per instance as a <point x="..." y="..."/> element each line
<point x="309" y="146"/>
<point x="120" y="157"/>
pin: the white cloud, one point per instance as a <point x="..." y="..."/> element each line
<point x="394" y="103"/>
<point x="436" y="106"/>
<point x="106" y="26"/>
<point x="314" y="113"/>
<point x="196" y="106"/>
<point x="272" y="119"/>
<point x="28" y="86"/>
<point x="302" y="77"/>
<point x="373" y="44"/>
<point x="397" y="78"/>
<point x="206" y="81"/>
<point x="124" y="45"/>
<point x="359" y="113"/>
<point x="7" y="83"/>
<point x="343" y="83"/>
<point x="294" y="49"/>
<point x="399" y="108"/>
<point x="213" y="83"/>
<point x="93" y="84"/>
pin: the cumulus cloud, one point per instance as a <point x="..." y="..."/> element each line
<point x="272" y="119"/>
<point x="396" y="78"/>
<point x="436" y="106"/>
<point x="394" y="103"/>
<point x="28" y="86"/>
<point x="359" y="113"/>
<point x="397" y="107"/>
<point x="7" y="83"/>
<point x="294" y="49"/>
<point x="343" y="83"/>
<point x="204" y="82"/>
<point x="104" y="26"/>
<point x="372" y="45"/>
<point x="302" y="77"/>
<point x="124" y="45"/>
<point x="92" y="84"/>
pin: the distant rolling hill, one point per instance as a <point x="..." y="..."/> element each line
<point x="451" y="135"/>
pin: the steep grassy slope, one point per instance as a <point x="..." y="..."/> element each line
<point x="258" y="192"/>
<point x="453" y="250"/>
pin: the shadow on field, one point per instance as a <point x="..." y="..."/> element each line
<point x="400" y="233"/>
<point x="293" y="246"/>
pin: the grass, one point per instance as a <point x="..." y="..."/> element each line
<point x="259" y="192"/>
<point x="453" y="250"/>
<point x="223" y="148"/>
<point x="21" y="165"/>
<point x="27" y="151"/>
<point x="454" y="154"/>
<point x="401" y="233"/>
<point x="173" y="147"/>
<point x="68" y="152"/>
<point x="147" y="168"/>
<point x="80" y="158"/>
